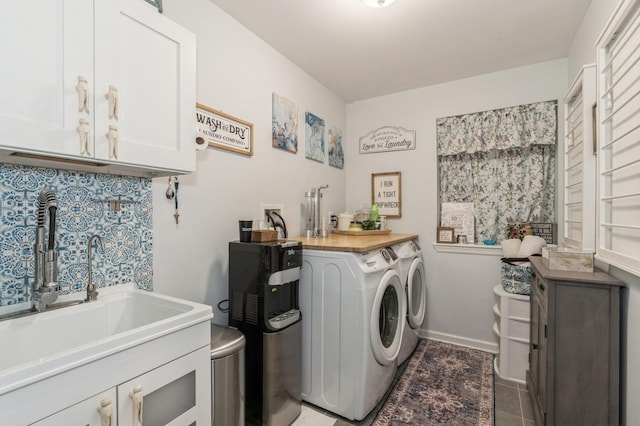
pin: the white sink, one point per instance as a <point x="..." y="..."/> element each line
<point x="38" y="346"/>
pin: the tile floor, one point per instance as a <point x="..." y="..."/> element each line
<point x="513" y="404"/>
<point x="512" y="408"/>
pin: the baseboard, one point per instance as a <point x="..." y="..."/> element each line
<point x="460" y="341"/>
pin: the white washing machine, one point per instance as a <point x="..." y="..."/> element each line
<point x="353" y="313"/>
<point x="410" y="267"/>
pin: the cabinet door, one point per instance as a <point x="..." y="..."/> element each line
<point x="150" y="61"/>
<point x="177" y="393"/>
<point x="46" y="46"/>
<point x="538" y="353"/>
<point x="85" y="412"/>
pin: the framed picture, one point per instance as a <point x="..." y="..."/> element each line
<point x="224" y="131"/>
<point x="284" y="123"/>
<point x="386" y="193"/>
<point x="446" y="235"/>
<point x="461" y="217"/>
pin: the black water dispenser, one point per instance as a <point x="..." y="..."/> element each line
<point x="263" y="304"/>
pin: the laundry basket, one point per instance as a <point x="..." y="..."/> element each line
<point x="516" y="275"/>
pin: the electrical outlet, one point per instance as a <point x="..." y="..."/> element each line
<point x="268" y="208"/>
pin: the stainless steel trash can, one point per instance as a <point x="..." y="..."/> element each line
<point x="227" y="376"/>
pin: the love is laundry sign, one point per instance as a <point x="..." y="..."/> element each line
<point x="387" y="139"/>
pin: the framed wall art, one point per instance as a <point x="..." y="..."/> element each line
<point x="386" y="193"/>
<point x="284" y="123"/>
<point x="446" y="234"/>
<point x="222" y="130"/>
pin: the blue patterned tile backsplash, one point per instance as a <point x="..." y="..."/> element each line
<point x="83" y="210"/>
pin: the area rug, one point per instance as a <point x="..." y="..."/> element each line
<point x="442" y="384"/>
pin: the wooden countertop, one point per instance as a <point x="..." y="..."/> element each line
<point x="353" y="243"/>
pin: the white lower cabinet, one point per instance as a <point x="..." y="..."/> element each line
<point x="176" y="393"/>
<point x="86" y="412"/>
<point x="172" y="394"/>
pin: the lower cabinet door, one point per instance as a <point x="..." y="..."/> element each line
<point x="177" y="393"/>
<point x="98" y="410"/>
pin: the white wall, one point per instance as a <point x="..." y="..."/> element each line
<point x="460" y="297"/>
<point x="583" y="50"/>
<point x="237" y="73"/>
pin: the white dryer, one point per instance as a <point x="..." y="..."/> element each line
<point x="411" y="270"/>
<point x="353" y="313"/>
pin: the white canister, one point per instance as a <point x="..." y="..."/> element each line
<point x="344" y="221"/>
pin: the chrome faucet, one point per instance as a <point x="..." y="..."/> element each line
<point x="44" y="290"/>
<point x="92" y="294"/>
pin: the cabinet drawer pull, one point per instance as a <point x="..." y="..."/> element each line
<point x="112" y="97"/>
<point x="534" y="346"/>
<point x="106" y="412"/>
<point x="112" y="137"/>
<point x="82" y="88"/>
<point x="84" y="133"/>
<point x="137" y="397"/>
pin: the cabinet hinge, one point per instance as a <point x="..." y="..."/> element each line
<point x="529" y="358"/>
<point x="545" y="331"/>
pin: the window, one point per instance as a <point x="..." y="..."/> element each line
<point x="618" y="239"/>
<point x="503" y="161"/>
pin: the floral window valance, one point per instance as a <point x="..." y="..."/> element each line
<point x="513" y="127"/>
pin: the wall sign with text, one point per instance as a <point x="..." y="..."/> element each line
<point x="387" y="139"/>
<point x="385" y="193"/>
<point x="223" y="131"/>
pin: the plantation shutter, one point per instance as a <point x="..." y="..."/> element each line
<point x="580" y="162"/>
<point x="619" y="144"/>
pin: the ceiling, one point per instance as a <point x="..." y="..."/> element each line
<point x="359" y="52"/>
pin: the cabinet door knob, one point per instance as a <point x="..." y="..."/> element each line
<point x="84" y="134"/>
<point x="137" y="397"/>
<point x="112" y="97"/>
<point x="106" y="412"/>
<point x="542" y="287"/>
<point x="82" y="88"/>
<point x="534" y="346"/>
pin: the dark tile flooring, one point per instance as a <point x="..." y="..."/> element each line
<point x="513" y="405"/>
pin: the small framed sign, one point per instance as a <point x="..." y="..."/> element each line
<point x="446" y="235"/>
<point x="386" y="193"/>
<point x="224" y="131"/>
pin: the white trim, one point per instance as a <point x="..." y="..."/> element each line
<point x="480" y="345"/>
<point x="468" y="249"/>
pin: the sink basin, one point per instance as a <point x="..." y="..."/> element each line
<point x="41" y="345"/>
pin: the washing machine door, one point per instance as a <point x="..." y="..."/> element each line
<point x="416" y="293"/>
<point x="387" y="314"/>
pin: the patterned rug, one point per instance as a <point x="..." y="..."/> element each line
<point x="442" y="384"/>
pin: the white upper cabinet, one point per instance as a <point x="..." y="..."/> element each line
<point x="46" y="46"/>
<point x="150" y="62"/>
<point x="138" y="70"/>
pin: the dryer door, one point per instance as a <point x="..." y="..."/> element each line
<point x="389" y="309"/>
<point x="416" y="293"/>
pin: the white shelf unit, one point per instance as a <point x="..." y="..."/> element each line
<point x="512" y="328"/>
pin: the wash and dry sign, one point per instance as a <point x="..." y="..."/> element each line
<point x="387" y="139"/>
<point x="223" y="130"/>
